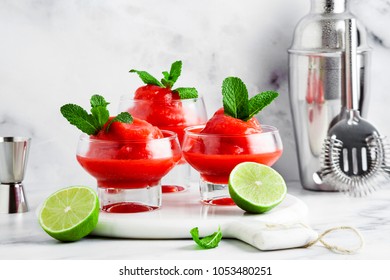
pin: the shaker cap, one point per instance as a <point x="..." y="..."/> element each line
<point x="323" y="29"/>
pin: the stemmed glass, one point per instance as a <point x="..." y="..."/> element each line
<point x="215" y="156"/>
<point x="129" y="173"/>
<point x="175" y="115"/>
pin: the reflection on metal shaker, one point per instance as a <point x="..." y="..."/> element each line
<point x="316" y="81"/>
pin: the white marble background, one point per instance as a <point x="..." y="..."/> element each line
<point x="57" y="52"/>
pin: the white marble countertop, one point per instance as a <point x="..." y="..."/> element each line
<point x="22" y="238"/>
<point x="58" y="52"/>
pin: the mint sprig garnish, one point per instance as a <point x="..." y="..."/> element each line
<point x="92" y="123"/>
<point x="168" y="80"/>
<point x="77" y="116"/>
<point x="187" y="93"/>
<point x="236" y="103"/>
<point x="98" y="101"/>
<point x="235" y="98"/>
<point x="207" y="242"/>
<point x="261" y="100"/>
<point x="147" y="78"/>
<point x="123" y="117"/>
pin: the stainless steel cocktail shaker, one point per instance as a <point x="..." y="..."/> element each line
<point x="316" y="81"/>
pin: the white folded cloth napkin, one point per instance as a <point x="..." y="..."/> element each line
<point x="267" y="236"/>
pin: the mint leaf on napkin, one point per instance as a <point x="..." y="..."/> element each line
<point x="207" y="242"/>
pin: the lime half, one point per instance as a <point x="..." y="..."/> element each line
<point x="256" y="188"/>
<point x="70" y="214"/>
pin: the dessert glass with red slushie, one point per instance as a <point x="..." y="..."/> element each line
<point x="128" y="164"/>
<point x="215" y="149"/>
<point x="173" y="114"/>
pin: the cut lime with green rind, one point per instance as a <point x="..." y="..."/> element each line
<point x="70" y="213"/>
<point x="256" y="188"/>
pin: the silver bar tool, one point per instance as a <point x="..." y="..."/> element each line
<point x="355" y="155"/>
<point x="317" y="79"/>
<point x="13" y="159"/>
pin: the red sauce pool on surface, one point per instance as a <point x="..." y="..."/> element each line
<point x="172" y="188"/>
<point x="127" y="207"/>
<point x="224" y="201"/>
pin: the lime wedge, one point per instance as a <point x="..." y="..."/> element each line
<point x="256" y="188"/>
<point x="70" y="214"/>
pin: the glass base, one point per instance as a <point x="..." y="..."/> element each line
<point x="215" y="194"/>
<point x="114" y="200"/>
<point x="178" y="179"/>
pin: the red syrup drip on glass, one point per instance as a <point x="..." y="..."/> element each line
<point x="172" y="188"/>
<point x="225" y="201"/>
<point x="127" y="207"/>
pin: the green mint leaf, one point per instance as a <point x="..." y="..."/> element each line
<point x="167" y="83"/>
<point x="80" y="118"/>
<point x="259" y="101"/>
<point x="101" y="115"/>
<point x="236" y="103"/>
<point x="175" y="71"/>
<point x="235" y="98"/>
<point x="170" y="78"/>
<point x="147" y="78"/>
<point x="207" y="242"/>
<point x="98" y="100"/>
<point x="123" y="117"/>
<point x="166" y="75"/>
<point x="187" y="93"/>
<point x="99" y="110"/>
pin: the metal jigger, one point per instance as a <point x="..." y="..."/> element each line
<point x="13" y="159"/>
